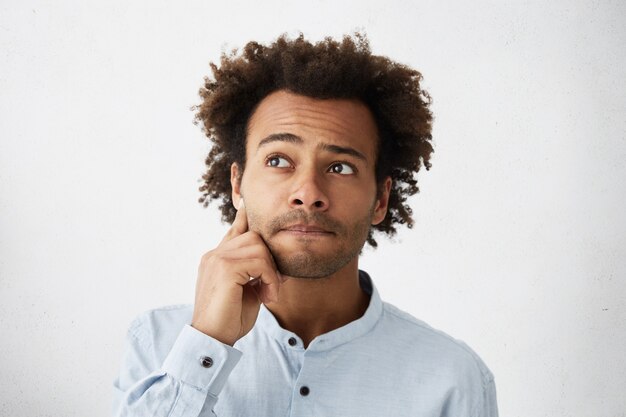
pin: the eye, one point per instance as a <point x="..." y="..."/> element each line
<point x="276" y="161"/>
<point x="342" y="168"/>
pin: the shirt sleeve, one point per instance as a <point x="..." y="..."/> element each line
<point x="488" y="405"/>
<point x="186" y="383"/>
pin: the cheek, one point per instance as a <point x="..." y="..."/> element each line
<point x="256" y="220"/>
<point x="354" y="194"/>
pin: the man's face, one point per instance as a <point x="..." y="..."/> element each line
<point x="309" y="183"/>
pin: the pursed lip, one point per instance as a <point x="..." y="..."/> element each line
<point x="304" y="228"/>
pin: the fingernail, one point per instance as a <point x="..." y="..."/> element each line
<point x="241" y="204"/>
<point x="280" y="277"/>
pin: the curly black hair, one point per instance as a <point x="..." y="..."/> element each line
<point x="327" y="69"/>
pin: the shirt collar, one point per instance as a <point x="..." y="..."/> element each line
<point x="268" y="323"/>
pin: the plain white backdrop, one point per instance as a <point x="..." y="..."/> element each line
<point x="519" y="243"/>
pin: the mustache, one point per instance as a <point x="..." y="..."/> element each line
<point x="300" y="216"/>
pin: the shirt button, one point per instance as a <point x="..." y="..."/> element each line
<point x="207" y="362"/>
<point x="292" y="341"/>
<point x="304" y="391"/>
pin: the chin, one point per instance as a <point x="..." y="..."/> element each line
<point x="306" y="265"/>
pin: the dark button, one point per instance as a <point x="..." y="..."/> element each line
<point x="207" y="362"/>
<point x="304" y="391"/>
<point x="292" y="341"/>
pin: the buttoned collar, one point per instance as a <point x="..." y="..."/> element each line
<point x="268" y="323"/>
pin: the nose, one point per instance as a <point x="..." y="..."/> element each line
<point x="308" y="195"/>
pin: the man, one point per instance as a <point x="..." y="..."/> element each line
<point x="315" y="146"/>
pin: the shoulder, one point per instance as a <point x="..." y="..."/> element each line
<point x="445" y="353"/>
<point x="157" y="328"/>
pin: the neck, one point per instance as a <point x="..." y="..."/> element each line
<point x="311" y="307"/>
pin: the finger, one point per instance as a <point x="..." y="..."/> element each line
<point x="260" y="290"/>
<point x="269" y="288"/>
<point x="263" y="291"/>
<point x="240" y="224"/>
<point x="249" y="238"/>
<point x="260" y="272"/>
<point x="248" y="245"/>
<point x="253" y="248"/>
<point x="268" y="293"/>
<point x="249" y="252"/>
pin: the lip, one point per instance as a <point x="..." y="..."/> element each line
<point x="304" y="228"/>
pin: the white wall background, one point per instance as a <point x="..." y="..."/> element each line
<point x="519" y="244"/>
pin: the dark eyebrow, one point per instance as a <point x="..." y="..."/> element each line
<point x="343" y="150"/>
<point x="291" y="138"/>
<point x="283" y="137"/>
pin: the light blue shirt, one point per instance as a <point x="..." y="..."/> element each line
<point x="386" y="363"/>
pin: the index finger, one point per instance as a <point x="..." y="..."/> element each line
<point x="240" y="224"/>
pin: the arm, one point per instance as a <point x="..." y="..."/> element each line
<point x="226" y="307"/>
<point x="183" y="385"/>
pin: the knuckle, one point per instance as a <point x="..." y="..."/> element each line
<point x="248" y="235"/>
<point x="207" y="257"/>
<point x="257" y="240"/>
<point x="219" y="258"/>
<point x="257" y="251"/>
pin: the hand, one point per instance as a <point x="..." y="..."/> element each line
<point x="233" y="280"/>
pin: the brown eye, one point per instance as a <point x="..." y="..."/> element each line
<point x="341" y="168"/>
<point x="277" y="162"/>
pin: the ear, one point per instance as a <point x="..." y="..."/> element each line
<point x="235" y="184"/>
<point x="382" y="202"/>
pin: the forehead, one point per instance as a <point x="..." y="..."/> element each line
<point x="339" y="122"/>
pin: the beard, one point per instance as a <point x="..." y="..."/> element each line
<point x="311" y="260"/>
